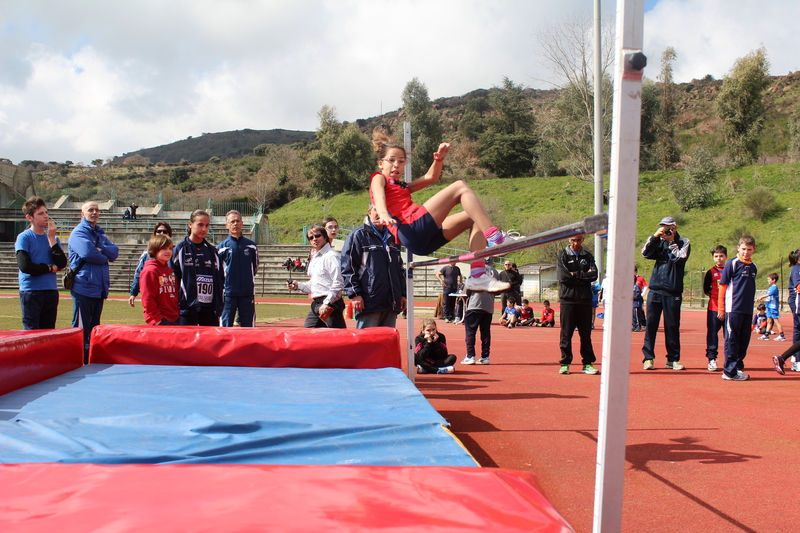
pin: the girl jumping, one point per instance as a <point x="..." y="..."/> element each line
<point x="424" y="229"/>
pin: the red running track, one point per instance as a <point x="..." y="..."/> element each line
<point x="703" y="454"/>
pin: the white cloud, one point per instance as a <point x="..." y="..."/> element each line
<point x="86" y="79"/>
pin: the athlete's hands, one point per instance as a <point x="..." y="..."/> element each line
<point x="385" y="218"/>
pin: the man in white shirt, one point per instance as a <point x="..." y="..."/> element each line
<point x="325" y="284"/>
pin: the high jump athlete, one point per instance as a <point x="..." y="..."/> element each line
<point x="424" y="229"/>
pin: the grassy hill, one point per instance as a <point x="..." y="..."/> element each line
<point x="530" y="205"/>
<point x="224" y="145"/>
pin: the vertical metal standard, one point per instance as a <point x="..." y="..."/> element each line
<point x="409" y="272"/>
<point x="624" y="186"/>
<point x="598" y="134"/>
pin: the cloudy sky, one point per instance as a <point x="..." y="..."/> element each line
<point x="87" y="79"/>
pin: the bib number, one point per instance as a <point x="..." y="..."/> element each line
<point x="205" y="289"/>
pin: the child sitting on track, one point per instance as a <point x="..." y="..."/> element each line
<point x="430" y="350"/>
<point x="526" y="314"/>
<point x="548" y="316"/>
<point x="424" y="229"/>
<point x="509" y="318"/>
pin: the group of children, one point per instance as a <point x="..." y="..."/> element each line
<point x="731" y="288"/>
<point x="522" y="315"/>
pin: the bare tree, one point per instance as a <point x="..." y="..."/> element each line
<point x="568" y="52"/>
<point x="280" y="178"/>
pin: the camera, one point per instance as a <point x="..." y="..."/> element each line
<point x="668" y="231"/>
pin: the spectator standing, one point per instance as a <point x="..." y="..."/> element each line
<point x="514" y="279"/>
<point x="711" y="289"/>
<point x="239" y="257"/>
<point x="642" y="283"/>
<point x="39" y="257"/>
<point x="737" y="291"/>
<point x="450" y="277"/>
<point x="159" y="284"/>
<point x="638" y="302"/>
<point x="576" y="271"/>
<point x="331" y="226"/>
<point x="161" y="228"/>
<point x="478" y="317"/>
<point x="794" y="285"/>
<point x="198" y="270"/>
<point x="670" y="252"/>
<point x="372" y="271"/>
<point x="772" y="302"/>
<point x="133" y="208"/>
<point x="325" y="284"/>
<point x="90" y="251"/>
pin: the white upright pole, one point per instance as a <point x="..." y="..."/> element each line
<point x="621" y="246"/>
<point x="410" y="333"/>
<point x="598" y="133"/>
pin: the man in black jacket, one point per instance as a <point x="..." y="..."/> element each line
<point x="576" y="272"/>
<point x="372" y="269"/>
<point x="670" y="251"/>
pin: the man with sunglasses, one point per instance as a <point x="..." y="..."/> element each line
<point x="325" y="284"/>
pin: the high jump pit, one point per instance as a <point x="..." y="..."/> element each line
<point x="138" y="441"/>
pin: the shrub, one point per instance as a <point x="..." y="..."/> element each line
<point x="698" y="188"/>
<point x="760" y="202"/>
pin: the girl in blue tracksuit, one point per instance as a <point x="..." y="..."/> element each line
<point x="198" y="269"/>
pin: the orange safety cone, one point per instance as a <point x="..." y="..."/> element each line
<point x="348" y="309"/>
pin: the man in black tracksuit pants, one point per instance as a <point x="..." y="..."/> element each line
<point x="670" y="252"/>
<point x="576" y="272"/>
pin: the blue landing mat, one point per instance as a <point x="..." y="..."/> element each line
<point x="134" y="414"/>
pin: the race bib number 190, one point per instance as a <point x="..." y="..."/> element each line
<point x="205" y="289"/>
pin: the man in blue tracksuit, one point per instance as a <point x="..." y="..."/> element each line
<point x="372" y="269"/>
<point x="90" y="249"/>
<point x="240" y="263"/>
<point x="670" y="251"/>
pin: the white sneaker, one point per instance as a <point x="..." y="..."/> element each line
<point x="483" y="361"/>
<point x="468" y="361"/>
<point x="486" y="283"/>
<point x="780" y="338"/>
<point x="446" y="370"/>
<point x="712" y="365"/>
<point x="796" y="366"/>
<point x="764" y="338"/>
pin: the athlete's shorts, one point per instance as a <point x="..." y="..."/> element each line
<point x="773" y="313"/>
<point x="421" y="236"/>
